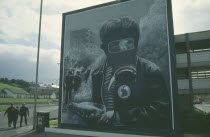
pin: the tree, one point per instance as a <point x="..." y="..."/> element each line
<point x="4" y="80"/>
<point x="12" y="80"/>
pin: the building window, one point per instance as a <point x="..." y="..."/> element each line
<point x="195" y="46"/>
<point x="181" y="48"/>
<point x="200" y="45"/>
<point x="200" y="73"/>
<point x="199" y="50"/>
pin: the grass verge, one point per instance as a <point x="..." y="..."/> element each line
<point x="3" y="108"/>
<point x="53" y="122"/>
<point x="2" y="86"/>
<point x="22" y="100"/>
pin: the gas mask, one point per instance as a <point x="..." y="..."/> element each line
<point x="123" y="81"/>
<point x="121" y="51"/>
<point x="121" y="55"/>
<point x="122" y="84"/>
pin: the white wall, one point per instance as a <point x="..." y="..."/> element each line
<point x="43" y="96"/>
<point x="53" y="96"/>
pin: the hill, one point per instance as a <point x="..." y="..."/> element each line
<point x="2" y="86"/>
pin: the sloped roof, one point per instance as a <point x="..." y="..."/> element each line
<point x="17" y="91"/>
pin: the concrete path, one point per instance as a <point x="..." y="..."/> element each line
<point x="204" y="107"/>
<point x="12" y="132"/>
<point x="46" y="134"/>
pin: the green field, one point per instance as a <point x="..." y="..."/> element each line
<point x="22" y="100"/>
<point x="53" y="122"/>
<point x="2" y="86"/>
<point x="3" y="108"/>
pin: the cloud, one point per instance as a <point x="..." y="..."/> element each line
<point x="52" y="15"/>
<point x="191" y="15"/>
<point x="51" y="29"/>
<point x="19" y="62"/>
<point x="19" y="24"/>
<point x="19" y="20"/>
<point x="61" y="6"/>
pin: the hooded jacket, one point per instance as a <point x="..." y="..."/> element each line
<point x="148" y="105"/>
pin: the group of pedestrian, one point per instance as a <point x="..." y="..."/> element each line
<point x="73" y="82"/>
<point x="13" y="114"/>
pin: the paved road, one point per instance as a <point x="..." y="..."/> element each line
<point x="204" y="107"/>
<point x="8" y="132"/>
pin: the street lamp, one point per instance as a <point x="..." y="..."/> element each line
<point x="37" y="68"/>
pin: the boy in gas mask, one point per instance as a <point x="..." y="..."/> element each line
<point x="131" y="88"/>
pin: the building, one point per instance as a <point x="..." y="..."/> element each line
<point x="43" y="94"/>
<point x="88" y="41"/>
<point x="193" y="67"/>
<point x="44" y="91"/>
<point x="84" y="38"/>
<point x="13" y="93"/>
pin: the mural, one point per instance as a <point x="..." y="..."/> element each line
<point x="113" y="62"/>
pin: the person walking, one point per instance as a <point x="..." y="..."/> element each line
<point x="16" y="113"/>
<point x="9" y="113"/>
<point x="77" y="81"/>
<point x="69" y="85"/>
<point x="23" y="113"/>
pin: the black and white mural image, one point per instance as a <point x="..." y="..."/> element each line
<point x="116" y="68"/>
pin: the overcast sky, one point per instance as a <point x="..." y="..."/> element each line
<point x="19" y="21"/>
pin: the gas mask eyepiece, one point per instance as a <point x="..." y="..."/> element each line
<point x="122" y="45"/>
